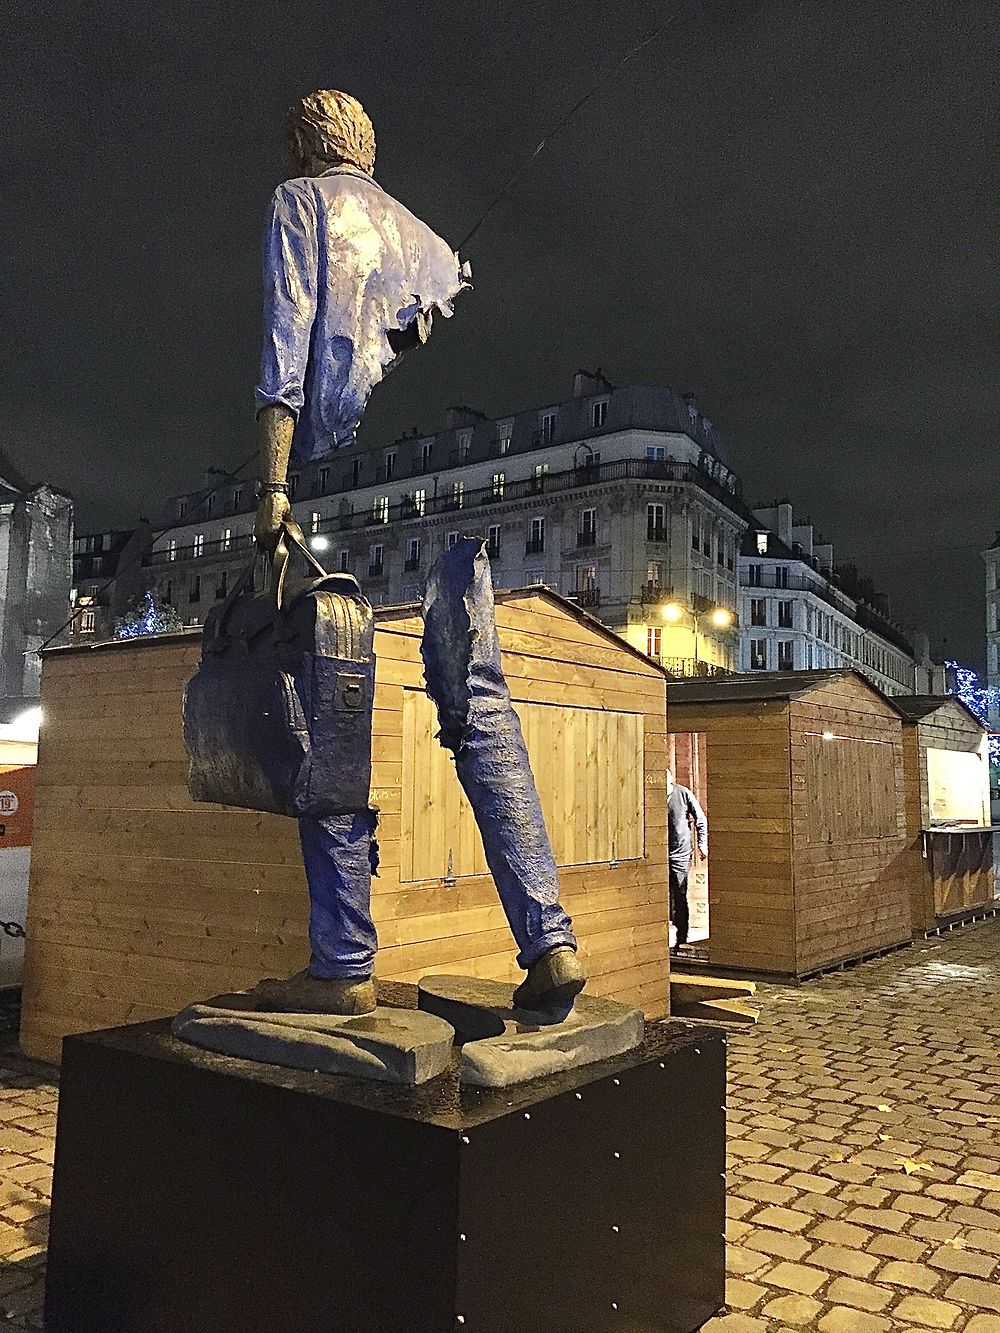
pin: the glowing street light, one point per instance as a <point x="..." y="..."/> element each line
<point x="320" y="543"/>
<point x="672" y="611"/>
<point x="721" y="618"/>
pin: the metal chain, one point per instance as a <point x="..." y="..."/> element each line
<point x="14" y="929"/>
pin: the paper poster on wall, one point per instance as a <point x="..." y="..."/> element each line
<point x="958" y="787"/>
<point x="17" y="802"/>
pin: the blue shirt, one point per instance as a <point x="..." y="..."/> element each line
<point x="343" y="264"/>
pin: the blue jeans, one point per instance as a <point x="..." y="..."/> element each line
<point x="340" y="853"/>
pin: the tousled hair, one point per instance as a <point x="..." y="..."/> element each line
<point x="331" y="126"/>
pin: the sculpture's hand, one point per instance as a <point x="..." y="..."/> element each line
<point x="271" y="512"/>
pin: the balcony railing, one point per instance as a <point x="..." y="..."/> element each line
<point x="411" y="563"/>
<point x="588" y="596"/>
<point x="654" y="534"/>
<point x="534" y="546"/>
<point x="376" y="571"/>
<point x="691" y="666"/>
<point x="588" y="537"/>
<point x="626" y="469"/>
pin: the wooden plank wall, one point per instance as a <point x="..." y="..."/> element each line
<point x="751" y="912"/>
<point x="141" y="901"/>
<point x="852" y="889"/>
<point x="965" y="880"/>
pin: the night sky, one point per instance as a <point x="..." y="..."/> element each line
<point x="787" y="208"/>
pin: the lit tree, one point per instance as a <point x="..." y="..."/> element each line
<point x="152" y="616"/>
<point x="978" y="698"/>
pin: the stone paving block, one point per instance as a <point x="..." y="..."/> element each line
<point x="973" y="1291"/>
<point x="852" y="1263"/>
<point x="743" y="1295"/>
<point x="735" y="1323"/>
<point x="951" y="1260"/>
<point x="862" y="1295"/>
<point x="777" y="1243"/>
<point x="870" y="1196"/>
<point x="918" y="1206"/>
<point x="987" y="1241"/>
<point x="801" y="1310"/>
<point x="882" y="1219"/>
<point x="782" y="1219"/>
<point x="927" y="1311"/>
<point x="976" y="1217"/>
<point x="797" y="1278"/>
<point x="897" y="1247"/>
<point x="820" y="1204"/>
<point x="841" y="1233"/>
<point x="898" y="1273"/>
<point x="842" y="1319"/>
<point x="947" y="1229"/>
<point x="812" y="1184"/>
<point x="983" y="1323"/>
<point x="763" y="1191"/>
<point x="741" y="1262"/>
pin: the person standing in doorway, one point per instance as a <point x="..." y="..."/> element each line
<point x="683" y="810"/>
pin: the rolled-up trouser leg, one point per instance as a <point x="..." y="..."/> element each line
<point x="340" y="853"/>
<point x="478" y="724"/>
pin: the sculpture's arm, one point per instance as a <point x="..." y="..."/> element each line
<point x="290" y="277"/>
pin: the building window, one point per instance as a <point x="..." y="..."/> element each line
<point x="324" y="480"/>
<point x="293" y="485"/>
<point x="426" y="450"/>
<point x="499" y="478"/>
<point x="758" y="654"/>
<point x="654" y="637"/>
<point x="390" y="464"/>
<point x="755" y="576"/>
<point x="656" y="453"/>
<point x="198" y="545"/>
<point x="314" y="521"/>
<point x="451" y="540"/>
<point x="172" y="549"/>
<point x="781" y="576"/>
<point x="457" y="494"/>
<point x="586" y="578"/>
<point x="209" y="505"/>
<point x="505" y="432"/>
<point x="656" y="523"/>
<point x="587" y="532"/>
<point x="786" y="649"/>
<point x="380" y="509"/>
<point x="547" y="427"/>
<point x="222" y="587"/>
<point x="376" y="566"/>
<point x="538" y="476"/>
<point x="195" y="594"/>
<point x="654" y="577"/>
<point x="355" y="471"/>
<point x="493" y="541"/>
<point x="182" y="508"/>
<point x="706" y="539"/>
<point x="464" y="445"/>
<point x="784" y="615"/>
<point x="227" y="538"/>
<point x="88" y="621"/>
<point x="344" y="560"/>
<point x="762" y="543"/>
<point x="730" y="553"/>
<point x="534" y="578"/>
<point x="413" y="553"/>
<point x="420" y="502"/>
<point x="599" y="413"/>
<point x="758" y="611"/>
<point x="237" y="499"/>
<point x="536" y="536"/>
<point x="695" y="532"/>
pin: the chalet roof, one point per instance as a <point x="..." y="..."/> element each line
<point x="753" y="686"/>
<point x="915" y="707"/>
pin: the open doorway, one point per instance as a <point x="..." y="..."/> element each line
<point x="687" y="759"/>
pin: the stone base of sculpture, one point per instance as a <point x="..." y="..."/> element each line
<point x="200" y="1191"/>
<point x="504" y="1044"/>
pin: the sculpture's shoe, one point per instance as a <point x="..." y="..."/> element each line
<point x="305" y="994"/>
<point x="554" y="980"/>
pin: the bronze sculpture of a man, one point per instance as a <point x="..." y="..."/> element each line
<point x="351" y="282"/>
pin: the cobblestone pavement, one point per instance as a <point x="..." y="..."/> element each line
<point x="864" y="1148"/>
<point x="864" y="1178"/>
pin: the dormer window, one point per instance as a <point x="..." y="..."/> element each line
<point x="598" y="413"/>
<point x="464" y="445"/>
<point x="762" y="543"/>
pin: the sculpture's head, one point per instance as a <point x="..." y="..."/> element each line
<point x="328" y="128"/>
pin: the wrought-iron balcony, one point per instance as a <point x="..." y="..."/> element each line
<point x="588" y="596"/>
<point x="534" y="546"/>
<point x="588" y="537"/>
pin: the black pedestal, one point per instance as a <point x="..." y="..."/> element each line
<point x="199" y="1193"/>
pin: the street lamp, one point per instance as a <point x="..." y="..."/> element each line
<point x="674" y="612"/>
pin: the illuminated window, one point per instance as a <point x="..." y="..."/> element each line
<point x="758" y="654"/>
<point x="599" y="413"/>
<point x="499" y="478"/>
<point x="380" y="509"/>
<point x="198" y="546"/>
<point x="654" y="637"/>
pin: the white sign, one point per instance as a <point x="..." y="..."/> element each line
<point x="8" y="804"/>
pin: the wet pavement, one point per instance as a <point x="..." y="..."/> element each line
<point x="864" y="1146"/>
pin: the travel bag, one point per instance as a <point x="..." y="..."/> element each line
<point x="278" y="716"/>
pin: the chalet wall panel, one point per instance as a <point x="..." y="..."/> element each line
<point x="141" y="901"/>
